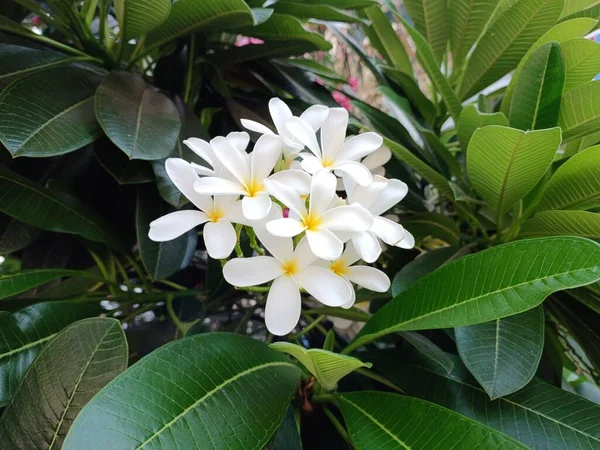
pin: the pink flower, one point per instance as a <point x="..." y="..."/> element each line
<point x="342" y="100"/>
<point x="286" y="212"/>
<point x="353" y="82"/>
<point x="36" y="21"/>
<point x="245" y="40"/>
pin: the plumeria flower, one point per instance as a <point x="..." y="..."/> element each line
<point x="290" y="269"/>
<point x="335" y="152"/>
<point x="249" y="173"/>
<point x="280" y="114"/>
<point x="204" y="150"/>
<point x="374" y="162"/>
<point x="321" y="219"/>
<point x="217" y="213"/>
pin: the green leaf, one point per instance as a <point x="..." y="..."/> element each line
<point x="562" y="223"/>
<point x="389" y="40"/>
<point x="342" y="4"/>
<point x="467" y="21"/>
<point x="137" y="17"/>
<point x="26" y="332"/>
<point x="288" y="436"/>
<point x="574" y="6"/>
<point x="582" y="61"/>
<point x="81" y="360"/>
<point x="141" y="121"/>
<point x="428" y="349"/>
<point x="432" y="225"/>
<point x="580" y="111"/>
<point x="422" y="265"/>
<point x="357" y="48"/>
<point x="505" y="164"/>
<point x="593" y="12"/>
<point x="540" y="415"/>
<point x="504" y="354"/>
<point x="390" y="421"/>
<point x="326" y="366"/>
<point x="575" y="184"/>
<point x="161" y="259"/>
<point x="431" y="20"/>
<point x="267" y="50"/>
<point x="410" y="89"/>
<point x="224" y="389"/>
<point x="121" y="168"/>
<point x="313" y="67"/>
<point x="15" y="283"/>
<point x="312" y="11"/>
<point x="531" y="270"/>
<point x="537" y="94"/>
<point x="506" y="42"/>
<point x="15" y="235"/>
<point x="471" y="120"/>
<point x="34" y="205"/>
<point x="64" y="121"/>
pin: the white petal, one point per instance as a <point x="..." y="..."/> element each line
<point x="324" y="244"/>
<point x="234" y="213"/>
<point x="265" y="155"/>
<point x="255" y="126"/>
<point x="298" y="180"/>
<point x="333" y="132"/>
<point x="303" y="132"/>
<point x="408" y="242"/>
<point x="389" y="232"/>
<point x="280" y="113"/>
<point x="347" y="218"/>
<point x="239" y="139"/>
<point x="310" y="163"/>
<point x="322" y="192"/>
<point x="183" y="176"/>
<point x="286" y="195"/>
<point x="367" y="246"/>
<point x="283" y="307"/>
<point x="325" y="286"/>
<point x="369" y="278"/>
<point x="252" y="271"/>
<point x="282" y="248"/>
<point x="257" y="207"/>
<point x="286" y="227"/>
<point x="378" y="171"/>
<point x="315" y="116"/>
<point x="359" y="146"/>
<point x="367" y="195"/>
<point x="349" y="305"/>
<point x="350" y="256"/>
<point x="203" y="171"/>
<point x="356" y="171"/>
<point x="175" y="224"/>
<point x="231" y="158"/>
<point x="217" y="186"/>
<point x="219" y="239"/>
<point x="395" y="191"/>
<point x="378" y="158"/>
<point x="303" y="254"/>
<point x="201" y="148"/>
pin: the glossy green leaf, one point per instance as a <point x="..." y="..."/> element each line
<point x="15" y="235"/>
<point x="573" y="6"/>
<point x="537" y="94"/>
<point x="428" y="349"/>
<point x="326" y="366"/>
<point x="288" y="435"/>
<point x="505" y="164"/>
<point x="470" y="120"/>
<point x="580" y="111"/>
<point x="582" y="61"/>
<point x="390" y="421"/>
<point x="431" y="20"/>
<point x="593" y="12"/>
<point x="267" y="50"/>
<point x="137" y="17"/>
<point x="575" y="184"/>
<point x="389" y="40"/>
<point x="313" y="67"/>
<point x="141" y="121"/>
<point x="503" y="354"/>
<point x="433" y="225"/>
<point x="68" y="372"/>
<point x="312" y="11"/>
<point x="35" y="205"/>
<point x="506" y="42"/>
<point x="410" y="89"/>
<point x="121" y="168"/>
<point x="532" y="269"/>
<point x="224" y="389"/>
<point x="562" y="223"/>
<point x="63" y="122"/>
<point x="422" y="265"/>
<point x="26" y="332"/>
<point x="15" y="283"/>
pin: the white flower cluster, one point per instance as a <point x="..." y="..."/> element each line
<point x="306" y="238"/>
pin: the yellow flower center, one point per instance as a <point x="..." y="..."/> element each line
<point x="215" y="215"/>
<point x="327" y="163"/>
<point x="290" y="268"/>
<point x="254" y="187"/>
<point x="311" y="222"/>
<point x="338" y="267"/>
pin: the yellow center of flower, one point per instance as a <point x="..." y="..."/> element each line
<point x="327" y="163"/>
<point x="215" y="215"/>
<point x="254" y="187"/>
<point x="311" y="222"/>
<point x="338" y="267"/>
<point x="290" y="268"/>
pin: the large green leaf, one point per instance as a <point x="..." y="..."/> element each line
<point x="15" y="235"/>
<point x="562" y="223"/>
<point x="538" y="91"/>
<point x="217" y="389"/>
<point x="25" y="332"/>
<point x="137" y="17"/>
<point x="141" y="121"/>
<point x="15" y="283"/>
<point x="471" y="119"/>
<point x="428" y="349"/>
<point x="580" y="111"/>
<point x="20" y="61"/>
<point x="288" y="435"/>
<point x="390" y="421"/>
<point x="122" y="169"/>
<point x="422" y="265"/>
<point x="312" y="11"/>
<point x="410" y="89"/>
<point x="504" y="354"/>
<point x="506" y="41"/>
<point x="434" y="225"/>
<point x="389" y="40"/>
<point x="32" y="204"/>
<point x="50" y="112"/>
<point x="79" y="362"/>
<point x="540" y="415"/>
<point x="505" y="164"/>
<point x="267" y="50"/>
<point x="582" y="61"/>
<point x="575" y="185"/>
<point x="574" y="6"/>
<point x="431" y="20"/>
<point x="531" y="270"/>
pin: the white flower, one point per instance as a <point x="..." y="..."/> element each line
<point x="204" y="150"/>
<point x="335" y="153"/>
<point x="320" y="220"/>
<point x="217" y="213"/>
<point x="374" y="162"/>
<point x="249" y="172"/>
<point x="280" y="113"/>
<point x="290" y="270"/>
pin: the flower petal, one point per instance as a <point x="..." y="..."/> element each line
<point x="367" y="195"/>
<point x="286" y="195"/>
<point x="219" y="239"/>
<point x="389" y="232"/>
<point x="303" y="132"/>
<point x="183" y="176"/>
<point x="315" y="116"/>
<point x="252" y="271"/>
<point x="350" y="255"/>
<point x="310" y="163"/>
<point x="333" y="132"/>
<point x="283" y="307"/>
<point x="203" y="171"/>
<point x="395" y="191"/>
<point x="322" y="192"/>
<point x="378" y="158"/>
<point x="285" y="227"/>
<point x="217" y="186"/>
<point x="303" y="253"/>
<point x="408" y="242"/>
<point x="234" y="213"/>
<point x="265" y="155"/>
<point x="356" y="171"/>
<point x="358" y="147"/>
<point x="280" y="113"/>
<point x="255" y="126"/>
<point x="367" y="246"/>
<point x="239" y="139"/>
<point x="369" y="278"/>
<point x="347" y="218"/>
<point x="282" y="248"/>
<point x="173" y="225"/>
<point x="201" y="148"/>
<point x="232" y="159"/>
<point x="324" y="244"/>
<point x="257" y="207"/>
<point x="298" y="180"/>
<point x="327" y="287"/>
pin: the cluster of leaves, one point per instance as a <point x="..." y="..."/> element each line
<point x="504" y="202"/>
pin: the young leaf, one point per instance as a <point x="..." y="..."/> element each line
<point x="582" y="61"/>
<point x="471" y="120"/>
<point x="137" y="17"/>
<point x="224" y="389"/>
<point x="504" y="354"/>
<point x="431" y="20"/>
<point x="580" y="111"/>
<point x="562" y="223"/>
<point x="326" y="366"/>
<point x="389" y="39"/>
<point x="434" y="225"/>
<point x="390" y="421"/>
<point x="17" y="282"/>
<point x="531" y="270"/>
<point x="69" y="371"/>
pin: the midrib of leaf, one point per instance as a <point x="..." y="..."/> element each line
<point x="27" y="346"/>
<point x="539" y="96"/>
<point x="208" y="394"/>
<point x="40" y="67"/>
<point x="505" y="180"/>
<point x="376" y="422"/>
<point x="496" y="354"/>
<point x="463" y="31"/>
<point x="569" y="205"/>
<point x="437" y="224"/>
<point x="138" y="122"/>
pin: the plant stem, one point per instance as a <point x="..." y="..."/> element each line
<point x="176" y="320"/>
<point x="338" y="426"/>
<point x="254" y="288"/>
<point x="310" y="326"/>
<point x="169" y="283"/>
<point x="380" y="379"/>
<point x="253" y="243"/>
<point x="190" y="70"/>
